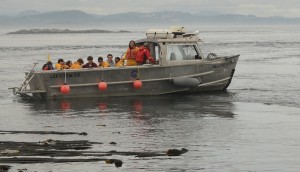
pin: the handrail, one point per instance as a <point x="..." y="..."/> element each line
<point x="27" y="79"/>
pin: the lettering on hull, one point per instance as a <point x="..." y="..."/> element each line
<point x="69" y="75"/>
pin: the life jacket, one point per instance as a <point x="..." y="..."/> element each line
<point x="144" y="55"/>
<point x="105" y="64"/>
<point x="141" y="55"/>
<point x="131" y="62"/>
<point x="58" y="66"/>
<point x="75" y="65"/>
<point x="131" y="53"/>
<point x="120" y="63"/>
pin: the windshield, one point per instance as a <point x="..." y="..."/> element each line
<point x="180" y="52"/>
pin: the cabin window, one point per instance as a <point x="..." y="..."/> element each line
<point x="177" y="52"/>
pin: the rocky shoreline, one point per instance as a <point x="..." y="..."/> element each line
<point x="62" y="151"/>
<point x="63" y="31"/>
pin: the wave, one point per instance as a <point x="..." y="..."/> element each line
<point x="267" y="96"/>
<point x="272" y="59"/>
<point x="210" y="44"/>
<point x="256" y="44"/>
<point x="251" y="89"/>
<point x="59" y="47"/>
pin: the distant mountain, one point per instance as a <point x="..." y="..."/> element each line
<point x="168" y="17"/>
<point x="160" y="17"/>
<point x="56" y="17"/>
<point x="28" y="13"/>
<point x="62" y="31"/>
<point x="80" y="18"/>
<point x="73" y="15"/>
<point x="248" y="19"/>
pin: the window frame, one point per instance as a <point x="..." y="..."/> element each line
<point x="180" y="53"/>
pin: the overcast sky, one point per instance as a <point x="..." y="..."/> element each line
<point x="263" y="8"/>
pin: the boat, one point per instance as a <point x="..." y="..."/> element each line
<point x="181" y="68"/>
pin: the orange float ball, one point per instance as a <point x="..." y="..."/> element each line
<point x="65" y="89"/>
<point x="137" y="84"/>
<point x="102" y="86"/>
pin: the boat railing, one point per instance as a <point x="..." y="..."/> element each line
<point x="22" y="89"/>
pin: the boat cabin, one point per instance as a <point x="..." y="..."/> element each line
<point x="173" y="47"/>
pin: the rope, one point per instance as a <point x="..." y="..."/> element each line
<point x="65" y="76"/>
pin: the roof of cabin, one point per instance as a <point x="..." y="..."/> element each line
<point x="146" y="40"/>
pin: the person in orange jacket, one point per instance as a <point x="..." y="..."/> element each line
<point x="102" y="63"/>
<point x="77" y="64"/>
<point x="61" y="65"/>
<point x="131" y="53"/>
<point x="144" y="55"/>
<point x="118" y="62"/>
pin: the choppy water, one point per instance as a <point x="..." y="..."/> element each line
<point x="252" y="127"/>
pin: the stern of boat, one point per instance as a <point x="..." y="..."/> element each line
<point x="32" y="87"/>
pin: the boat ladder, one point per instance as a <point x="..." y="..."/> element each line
<point x="22" y="90"/>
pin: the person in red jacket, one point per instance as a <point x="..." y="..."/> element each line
<point x="144" y="55"/>
<point x="90" y="63"/>
<point x="48" y="66"/>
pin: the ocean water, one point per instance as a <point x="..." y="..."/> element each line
<point x="254" y="126"/>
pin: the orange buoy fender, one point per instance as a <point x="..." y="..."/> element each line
<point x="102" y="85"/>
<point x="137" y="84"/>
<point x="65" y="89"/>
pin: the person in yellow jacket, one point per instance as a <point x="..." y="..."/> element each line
<point x="101" y="63"/>
<point x="131" y="53"/>
<point x="77" y="64"/>
<point x="118" y="62"/>
<point x="60" y="65"/>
